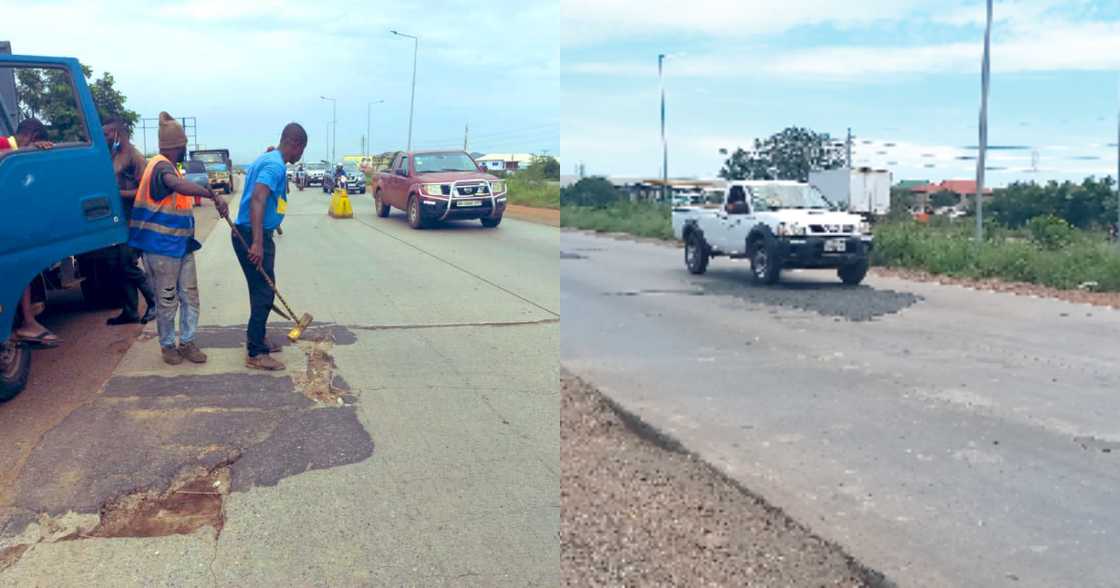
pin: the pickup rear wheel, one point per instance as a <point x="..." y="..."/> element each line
<point x="765" y="265"/>
<point x="415" y="219"/>
<point x="853" y="273"/>
<point x="696" y="254"/>
<point x="15" y="366"/>
<point x="379" y="206"/>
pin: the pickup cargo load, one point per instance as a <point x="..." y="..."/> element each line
<point x="776" y="225"/>
<point x="862" y="190"/>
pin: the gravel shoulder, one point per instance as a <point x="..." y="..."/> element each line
<point x="638" y="509"/>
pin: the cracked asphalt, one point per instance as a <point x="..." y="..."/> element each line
<point x="439" y="464"/>
<point x="957" y="438"/>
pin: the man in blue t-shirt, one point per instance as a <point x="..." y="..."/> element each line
<point x="264" y="201"/>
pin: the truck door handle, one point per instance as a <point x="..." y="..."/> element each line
<point x="96" y="208"/>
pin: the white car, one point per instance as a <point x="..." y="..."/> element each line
<point x="777" y="225"/>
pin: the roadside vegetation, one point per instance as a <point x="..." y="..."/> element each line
<point x="1049" y="234"/>
<point x="537" y="185"/>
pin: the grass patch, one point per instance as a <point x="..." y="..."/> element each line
<point x="642" y="219"/>
<point x="1009" y="255"/>
<point x="530" y="192"/>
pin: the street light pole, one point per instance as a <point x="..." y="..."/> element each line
<point x="985" y="78"/>
<point x="368" y="141"/>
<point x="664" y="141"/>
<point x="412" y="100"/>
<point x="334" y="127"/>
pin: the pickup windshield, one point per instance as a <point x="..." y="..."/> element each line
<point x="215" y="167"/>
<point x="778" y="196"/>
<point x="443" y="162"/>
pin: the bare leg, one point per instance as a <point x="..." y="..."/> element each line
<point x="31" y="329"/>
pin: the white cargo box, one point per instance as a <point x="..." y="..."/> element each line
<point x="862" y="190"/>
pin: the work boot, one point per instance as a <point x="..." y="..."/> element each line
<point x="123" y="319"/>
<point x="192" y="353"/>
<point x="263" y="361"/>
<point x="171" y="356"/>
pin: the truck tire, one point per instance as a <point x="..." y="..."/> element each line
<point x="99" y="288"/>
<point x="380" y="207"/>
<point x="415" y="218"/>
<point x="853" y="273"/>
<point x="15" y="366"/>
<point x="765" y="265"/>
<point x="490" y="223"/>
<point x="696" y="254"/>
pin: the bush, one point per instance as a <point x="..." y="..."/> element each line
<point x="591" y="191"/>
<point x="1050" y="232"/>
<point x="531" y="192"/>
<point x="644" y="219"/>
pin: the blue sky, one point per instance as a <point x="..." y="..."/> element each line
<point x="245" y="68"/>
<point x="904" y="74"/>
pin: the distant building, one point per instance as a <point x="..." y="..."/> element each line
<point x="962" y="188"/>
<point x="505" y="161"/>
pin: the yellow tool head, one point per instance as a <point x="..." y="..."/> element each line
<point x="297" y="331"/>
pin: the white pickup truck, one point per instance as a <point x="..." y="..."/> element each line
<point x="777" y="225"/>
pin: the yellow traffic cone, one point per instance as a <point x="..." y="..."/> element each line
<point x="340" y="205"/>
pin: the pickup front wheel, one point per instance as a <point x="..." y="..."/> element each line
<point x="696" y="254"/>
<point x="15" y="365"/>
<point x="853" y="274"/>
<point x="765" y="265"/>
<point x="415" y="219"/>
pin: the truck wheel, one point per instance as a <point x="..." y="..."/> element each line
<point x="696" y="254"/>
<point x="15" y="366"/>
<point x="852" y="274"/>
<point x="380" y="207"/>
<point x="765" y="265"/>
<point x="491" y="222"/>
<point x="415" y="219"/>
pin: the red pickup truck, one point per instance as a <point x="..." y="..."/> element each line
<point x="434" y="186"/>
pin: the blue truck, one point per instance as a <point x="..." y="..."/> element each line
<point x="59" y="204"/>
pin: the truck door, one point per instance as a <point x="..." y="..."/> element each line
<point x="735" y="225"/>
<point x="57" y="202"/>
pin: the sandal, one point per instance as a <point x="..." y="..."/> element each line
<point x="44" y="339"/>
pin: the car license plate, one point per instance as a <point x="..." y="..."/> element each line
<point x="468" y="203"/>
<point x="835" y="246"/>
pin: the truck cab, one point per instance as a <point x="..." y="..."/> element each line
<point x="59" y="202"/>
<point x="776" y="225"/>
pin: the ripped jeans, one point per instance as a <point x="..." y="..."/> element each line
<point x="176" y="284"/>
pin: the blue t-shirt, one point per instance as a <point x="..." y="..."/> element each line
<point x="269" y="170"/>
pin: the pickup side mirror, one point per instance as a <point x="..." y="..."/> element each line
<point x="739" y="207"/>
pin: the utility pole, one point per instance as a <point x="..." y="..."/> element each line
<point x="985" y="78"/>
<point x="466" y="134"/>
<point x="412" y="100"/>
<point x="664" y="142"/>
<point x="848" y="148"/>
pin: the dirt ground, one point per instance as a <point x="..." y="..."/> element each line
<point x="638" y="511"/>
<point x="1111" y="299"/>
<point x="545" y="216"/>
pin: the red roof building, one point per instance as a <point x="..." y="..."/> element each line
<point x="959" y="187"/>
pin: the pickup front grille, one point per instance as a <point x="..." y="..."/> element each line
<point x="832" y="229"/>
<point x="472" y="190"/>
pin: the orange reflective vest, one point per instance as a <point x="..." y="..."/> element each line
<point x="164" y="226"/>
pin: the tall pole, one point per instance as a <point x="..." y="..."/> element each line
<point x="334" y="125"/>
<point x="664" y="142"/>
<point x="1118" y="161"/>
<point x="848" y="147"/>
<point x="985" y="78"/>
<point x="412" y="100"/>
<point x="466" y="135"/>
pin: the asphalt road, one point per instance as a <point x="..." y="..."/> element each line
<point x="431" y="458"/>
<point x="941" y="435"/>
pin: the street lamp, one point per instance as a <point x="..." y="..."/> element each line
<point x="334" y="126"/>
<point x="412" y="100"/>
<point x="368" y="141"/>
<point x="985" y="78"/>
<point x="664" y="143"/>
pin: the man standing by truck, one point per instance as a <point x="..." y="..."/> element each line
<point x="162" y="226"/>
<point x="264" y="200"/>
<point x="128" y="165"/>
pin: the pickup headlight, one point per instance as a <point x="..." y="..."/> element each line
<point x="864" y="228"/>
<point x="432" y="189"/>
<point x="791" y="230"/>
<point x="498" y="187"/>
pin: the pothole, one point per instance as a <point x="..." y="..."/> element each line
<point x="317" y="381"/>
<point x="11" y="554"/>
<point x="654" y="292"/>
<point x="566" y="255"/>
<point x="192" y="502"/>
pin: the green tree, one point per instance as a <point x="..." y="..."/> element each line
<point x="46" y="94"/>
<point x="544" y="168"/>
<point x="594" y="191"/>
<point x="788" y="155"/>
<point x="944" y="199"/>
<point x="1088" y="204"/>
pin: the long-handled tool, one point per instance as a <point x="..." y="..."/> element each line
<point x="304" y="320"/>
